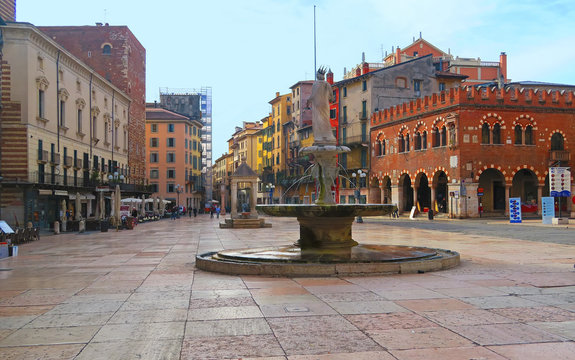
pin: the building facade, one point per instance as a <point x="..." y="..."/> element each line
<point x="116" y="55"/>
<point x="467" y="150"/>
<point x="64" y="130"/>
<point x="8" y="10"/>
<point x="197" y="105"/>
<point x="174" y="157"/>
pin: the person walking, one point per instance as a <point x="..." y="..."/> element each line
<point x="195" y="212"/>
<point x="218" y="210"/>
<point x="212" y="212"/>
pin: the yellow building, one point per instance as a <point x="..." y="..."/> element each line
<point x="222" y="170"/>
<point x="280" y="116"/>
<point x="244" y="144"/>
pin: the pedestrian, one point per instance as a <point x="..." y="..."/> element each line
<point x="212" y="211"/>
<point x="174" y="212"/>
<point x="195" y="212"/>
<point x="218" y="210"/>
<point x="190" y="213"/>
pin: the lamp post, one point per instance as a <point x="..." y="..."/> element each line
<point x="113" y="178"/>
<point x="179" y="189"/>
<point x="357" y="193"/>
<point x="271" y="188"/>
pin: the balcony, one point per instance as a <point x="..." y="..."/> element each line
<point x="559" y="155"/>
<point x="78" y="164"/>
<point x="362" y="116"/>
<point x="356" y="140"/>
<point x="68" y="161"/>
<point x="43" y="156"/>
<point x="55" y="159"/>
<point x="45" y="178"/>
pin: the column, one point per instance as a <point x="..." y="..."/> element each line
<point x="234" y="199"/>
<point x="539" y="196"/>
<point x="254" y="200"/>
<point x="415" y="189"/>
<point x="396" y="196"/>
<point x="433" y="190"/>
<point x="382" y="194"/>
<point x="507" y="189"/>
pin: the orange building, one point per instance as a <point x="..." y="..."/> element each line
<point x="173" y="157"/>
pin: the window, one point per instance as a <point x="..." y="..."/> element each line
<point x="443" y="136"/>
<point x="41" y="104"/>
<point x="195" y="162"/>
<point x="345" y="91"/>
<point x="364" y="109"/>
<point x="401" y="143"/>
<point x="497" y="134"/>
<point x="154" y="142"/>
<point x="171" y="157"/>
<point x="107" y="49"/>
<point x="62" y="120"/>
<point x="436" y="140"/>
<point x="79" y="120"/>
<point x="485" y="134"/>
<point x="441" y="86"/>
<point x="195" y="145"/>
<point x="171" y="174"/>
<point x="154" y="187"/>
<point x="529" y="135"/>
<point x="417" y="141"/>
<point x="344" y="118"/>
<point x="518" y="135"/>
<point x="343" y="160"/>
<point x="557" y="142"/>
<point x="364" y="85"/>
<point x="332" y="113"/>
<point x="154" y="128"/>
<point x="154" y="173"/>
<point x="170" y="188"/>
<point x="171" y="142"/>
<point x="417" y="87"/>
<point x="363" y="157"/>
<point x="154" y="157"/>
<point x="364" y="133"/>
<point x="194" y="130"/>
<point x="170" y="127"/>
<point x="344" y="136"/>
<point x="424" y="140"/>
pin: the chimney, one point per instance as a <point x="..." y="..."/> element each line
<point x="344" y="72"/>
<point x="277" y="94"/>
<point x="155" y="104"/>
<point x="329" y="77"/>
<point x="397" y="55"/>
<point x="364" y="68"/>
<point x="503" y="65"/>
<point x="363" y="57"/>
<point x="357" y="71"/>
<point x="98" y="24"/>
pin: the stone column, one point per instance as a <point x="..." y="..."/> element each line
<point x="396" y="197"/>
<point x="507" y="189"/>
<point x="234" y="199"/>
<point x="433" y="190"/>
<point x="223" y="199"/>
<point x="382" y="194"/>
<point x="472" y="200"/>
<point x="415" y="189"/>
<point x="254" y="200"/>
<point x="539" y="196"/>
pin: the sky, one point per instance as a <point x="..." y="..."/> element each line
<point x="249" y="50"/>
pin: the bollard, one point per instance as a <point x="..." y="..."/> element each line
<point x="56" y="227"/>
<point x="430" y="214"/>
<point x="82" y="226"/>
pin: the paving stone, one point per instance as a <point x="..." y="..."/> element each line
<point x="555" y="351"/>
<point x="537" y="314"/>
<point x="418" y="338"/>
<point x="234" y="327"/>
<point x="454" y="353"/>
<point x="234" y="347"/>
<point x="452" y="318"/>
<point x="50" y="336"/>
<point x="44" y="352"/>
<point x="502" y="334"/>
<point x="398" y="320"/>
<point x="121" y="350"/>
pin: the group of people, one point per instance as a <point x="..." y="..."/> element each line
<point x="215" y="209"/>
<point x="177" y="210"/>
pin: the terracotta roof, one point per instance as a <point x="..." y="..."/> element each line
<point x="450" y="74"/>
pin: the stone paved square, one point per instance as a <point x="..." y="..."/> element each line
<point x="137" y="294"/>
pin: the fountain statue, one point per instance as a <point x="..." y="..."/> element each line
<point x="325" y="245"/>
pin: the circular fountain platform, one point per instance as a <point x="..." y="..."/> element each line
<point x="360" y="260"/>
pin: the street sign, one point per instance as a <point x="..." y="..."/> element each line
<point x="479" y="191"/>
<point x="514" y="210"/>
<point x="547" y="210"/>
<point x="560" y="181"/>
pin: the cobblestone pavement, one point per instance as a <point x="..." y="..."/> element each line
<point x="137" y="295"/>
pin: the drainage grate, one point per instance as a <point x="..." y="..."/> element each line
<point x="296" y="309"/>
<point x="5" y="269"/>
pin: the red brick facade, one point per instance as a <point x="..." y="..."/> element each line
<point x="440" y="149"/>
<point x="116" y="54"/>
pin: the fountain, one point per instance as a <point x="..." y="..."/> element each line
<point x="325" y="246"/>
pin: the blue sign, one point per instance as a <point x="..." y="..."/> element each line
<point x="560" y="181"/>
<point x="514" y="210"/>
<point x="547" y="210"/>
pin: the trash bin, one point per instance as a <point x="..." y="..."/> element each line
<point x="430" y="214"/>
<point x="104" y="225"/>
<point x="130" y="222"/>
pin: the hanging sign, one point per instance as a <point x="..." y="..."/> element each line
<point x="560" y="181"/>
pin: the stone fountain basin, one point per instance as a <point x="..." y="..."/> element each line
<point x="326" y="210"/>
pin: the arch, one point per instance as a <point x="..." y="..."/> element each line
<point x="518" y="132"/>
<point x="485" y="134"/>
<point x="374" y="193"/>
<point x="423" y="191"/>
<point x="492" y="180"/>
<point x="106" y="49"/>
<point x="439" y="183"/>
<point x="524" y="185"/>
<point x="496" y="133"/>
<point x="557" y="141"/>
<point x="529" y="139"/>
<point x="385" y="184"/>
<point x="406" y="191"/>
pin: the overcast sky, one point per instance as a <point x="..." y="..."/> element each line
<point x="248" y="50"/>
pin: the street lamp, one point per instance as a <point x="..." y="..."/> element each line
<point x="179" y="189"/>
<point x="271" y="188"/>
<point x="357" y="193"/>
<point x="115" y="177"/>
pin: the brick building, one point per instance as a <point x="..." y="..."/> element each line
<point x="435" y="152"/>
<point x="117" y="55"/>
